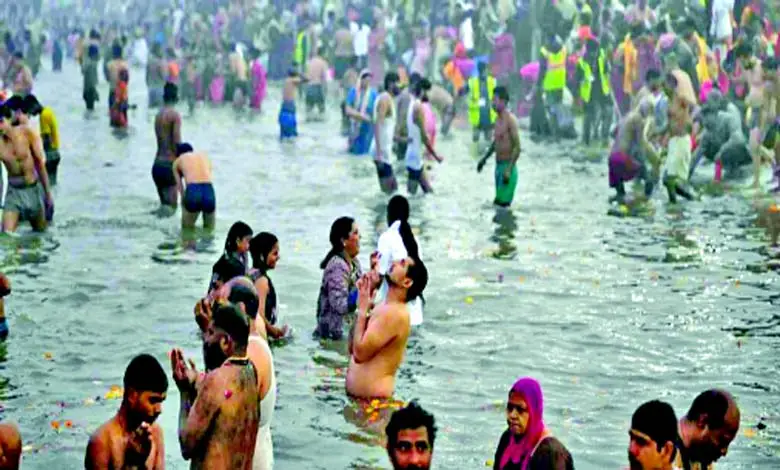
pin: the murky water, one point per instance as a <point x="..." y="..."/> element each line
<point x="606" y="312"/>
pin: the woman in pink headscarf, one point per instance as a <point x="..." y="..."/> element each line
<point x="527" y="444"/>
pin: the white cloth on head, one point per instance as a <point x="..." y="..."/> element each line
<point x="391" y="248"/>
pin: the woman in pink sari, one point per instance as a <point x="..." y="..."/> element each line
<point x="259" y="82"/>
<point x="527" y="444"/>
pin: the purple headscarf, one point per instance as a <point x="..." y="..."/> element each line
<point x="520" y="451"/>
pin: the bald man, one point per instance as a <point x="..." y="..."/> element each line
<point x="707" y="430"/>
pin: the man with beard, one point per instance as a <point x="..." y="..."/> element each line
<point x="410" y="437"/>
<point x="131" y="439"/>
<point x="220" y="411"/>
<point x="707" y="430"/>
<point x="652" y="437"/>
<point x="384" y="129"/>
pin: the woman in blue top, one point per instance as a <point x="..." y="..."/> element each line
<point x="360" y="107"/>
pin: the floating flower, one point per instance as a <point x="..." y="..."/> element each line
<point x="469" y="300"/>
<point x="48" y="356"/>
<point x="114" y="393"/>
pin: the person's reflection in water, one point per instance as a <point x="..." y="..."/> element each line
<point x="504" y="234"/>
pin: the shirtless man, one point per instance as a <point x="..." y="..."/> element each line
<point x="167" y="127"/>
<point x="242" y="293"/>
<point x="194" y="168"/>
<point x="678" y="155"/>
<point x="288" y="121"/>
<point x="631" y="152"/>
<point x="220" y="412"/>
<point x="114" y="66"/>
<point x="132" y="439"/>
<point x="317" y="76"/>
<point x="506" y="145"/>
<point x="22" y="154"/>
<point x="156" y="70"/>
<point x="418" y="137"/>
<point x="377" y="346"/>
<point x="402" y="102"/>
<point x="707" y="430"/>
<point x="443" y="102"/>
<point x="21" y="75"/>
<point x="343" y="49"/>
<point x="384" y="130"/>
<point x="240" y="73"/>
<point x="22" y="109"/>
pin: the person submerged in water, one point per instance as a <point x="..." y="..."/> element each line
<point x="167" y="128"/>
<point x="234" y="260"/>
<point x="411" y="434"/>
<point x="378" y="344"/>
<point x="707" y="430"/>
<point x="120" y="100"/>
<point x="288" y="122"/>
<point x="527" y="444"/>
<point x="417" y="139"/>
<point x="192" y="172"/>
<point x="264" y="249"/>
<point x="29" y="195"/>
<point x="90" y="74"/>
<point x="220" y="411"/>
<point x="506" y="145"/>
<point x="132" y="439"/>
<point x="317" y="75"/>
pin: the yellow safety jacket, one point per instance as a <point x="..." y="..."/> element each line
<point x="555" y="77"/>
<point x="587" y="83"/>
<point x="702" y="67"/>
<point x="300" y="49"/>
<point x="476" y="101"/>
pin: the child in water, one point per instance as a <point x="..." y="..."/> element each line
<point x="288" y="124"/>
<point x="118" y="113"/>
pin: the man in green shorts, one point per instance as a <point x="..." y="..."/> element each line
<point x="506" y="145"/>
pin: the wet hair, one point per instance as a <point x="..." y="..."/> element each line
<point x="145" y="374"/>
<point x="247" y="295"/>
<point x="170" y="93"/>
<point x="390" y="78"/>
<point x="93" y="52"/>
<point x="656" y="419"/>
<point x="237" y="231"/>
<point x="413" y="416"/>
<point x="398" y="210"/>
<point x="260" y="246"/>
<point x="230" y="319"/>
<point x="15" y="103"/>
<point x="502" y="93"/>
<point x="414" y="79"/>
<point x="116" y="50"/>
<point x="183" y="148"/>
<point x="32" y="106"/>
<point x="124" y="75"/>
<point x="418" y="274"/>
<point x="714" y="404"/>
<point x="339" y="230"/>
<point x="94" y="34"/>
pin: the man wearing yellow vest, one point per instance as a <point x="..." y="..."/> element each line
<point x="302" y="48"/>
<point x="552" y="71"/>
<point x="482" y="116"/>
<point x="593" y="88"/>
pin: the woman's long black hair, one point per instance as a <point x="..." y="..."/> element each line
<point x="398" y="210"/>
<point x="237" y="231"/>
<point x="339" y="231"/>
<point x="260" y="247"/>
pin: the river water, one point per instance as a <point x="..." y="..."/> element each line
<point x="606" y="312"/>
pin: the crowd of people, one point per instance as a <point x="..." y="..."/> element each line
<point x="671" y="86"/>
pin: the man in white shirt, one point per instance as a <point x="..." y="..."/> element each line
<point x="721" y="30"/>
<point x="466" y="29"/>
<point x="360" y="42"/>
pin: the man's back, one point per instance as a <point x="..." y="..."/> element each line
<point x="230" y="400"/>
<point x="164" y="130"/>
<point x="195" y="167"/>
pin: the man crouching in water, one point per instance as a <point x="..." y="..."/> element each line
<point x="167" y="128"/>
<point x="198" y="196"/>
<point x="131" y="439"/>
<point x="220" y="412"/>
<point x="23" y="158"/>
<point x="627" y="159"/>
<point x="377" y="347"/>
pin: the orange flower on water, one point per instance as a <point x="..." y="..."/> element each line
<point x="55" y="425"/>
<point x="68" y="424"/>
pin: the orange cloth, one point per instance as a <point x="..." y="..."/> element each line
<point x="630" y="65"/>
<point x="173" y="70"/>
<point x="453" y="75"/>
